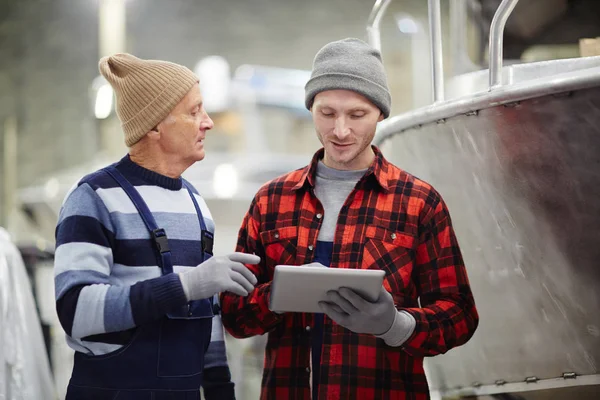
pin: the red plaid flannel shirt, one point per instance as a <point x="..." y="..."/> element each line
<point x="391" y="221"/>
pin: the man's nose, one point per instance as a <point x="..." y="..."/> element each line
<point x="207" y="122"/>
<point x="341" y="129"/>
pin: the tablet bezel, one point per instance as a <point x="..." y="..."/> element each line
<point x="300" y="288"/>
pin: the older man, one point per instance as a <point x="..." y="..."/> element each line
<point x="351" y="208"/>
<point x="134" y="273"/>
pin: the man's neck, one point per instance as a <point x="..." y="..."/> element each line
<point x="159" y="164"/>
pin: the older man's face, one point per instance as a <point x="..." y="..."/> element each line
<point x="184" y="130"/>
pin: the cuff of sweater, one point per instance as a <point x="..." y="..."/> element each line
<point x="217" y="384"/>
<point x="168" y="292"/>
<point x="402" y="328"/>
<point x="221" y="393"/>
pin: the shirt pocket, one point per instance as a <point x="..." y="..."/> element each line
<point x="281" y="245"/>
<point x="393" y="252"/>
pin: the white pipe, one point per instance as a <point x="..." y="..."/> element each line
<point x="374" y="21"/>
<point x="435" y="38"/>
<point x="496" y="41"/>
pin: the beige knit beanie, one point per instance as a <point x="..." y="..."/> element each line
<point x="146" y="91"/>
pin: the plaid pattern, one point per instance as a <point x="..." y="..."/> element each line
<point x="391" y="221"/>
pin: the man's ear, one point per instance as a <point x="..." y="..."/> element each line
<point x="154" y="133"/>
<point x="380" y="117"/>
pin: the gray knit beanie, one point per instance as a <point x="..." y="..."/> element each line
<point x="350" y="64"/>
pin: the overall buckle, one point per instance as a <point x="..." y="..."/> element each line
<point x="160" y="239"/>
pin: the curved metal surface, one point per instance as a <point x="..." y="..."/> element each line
<point x="522" y="183"/>
<point x="571" y="76"/>
<point x="497" y="39"/>
<point x="585" y="387"/>
<point x="478" y="81"/>
<point x="377" y="13"/>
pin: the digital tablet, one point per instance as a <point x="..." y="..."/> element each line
<point x="300" y="288"/>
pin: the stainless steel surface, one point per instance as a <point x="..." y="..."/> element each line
<point x="373" y="23"/>
<point x="478" y="81"/>
<point x="521" y="180"/>
<point x="577" y="74"/>
<point x="496" y="40"/>
<point x="581" y="384"/>
<point x="519" y="166"/>
<point x="435" y="43"/>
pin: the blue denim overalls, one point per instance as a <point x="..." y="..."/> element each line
<point x="164" y="359"/>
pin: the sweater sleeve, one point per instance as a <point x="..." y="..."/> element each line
<point x="86" y="302"/>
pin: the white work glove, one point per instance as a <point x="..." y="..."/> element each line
<point x="350" y="310"/>
<point x="314" y="264"/>
<point x="220" y="274"/>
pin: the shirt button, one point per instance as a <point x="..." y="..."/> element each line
<point x="310" y="247"/>
<point x="307" y="329"/>
<point x="393" y="236"/>
<point x="319" y="215"/>
<point x="277" y="236"/>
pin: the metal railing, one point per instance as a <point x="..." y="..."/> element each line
<point x="496" y="40"/>
<point x="583" y="74"/>
<point x="374" y="21"/>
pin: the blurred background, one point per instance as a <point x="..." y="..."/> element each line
<point x="253" y="57"/>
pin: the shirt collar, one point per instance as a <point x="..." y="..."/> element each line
<point x="379" y="170"/>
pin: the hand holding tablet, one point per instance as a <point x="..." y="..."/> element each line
<point x="301" y="288"/>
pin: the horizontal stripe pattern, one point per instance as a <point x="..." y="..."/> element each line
<point x="104" y="256"/>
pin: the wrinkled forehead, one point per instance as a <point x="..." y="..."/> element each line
<point x="192" y="99"/>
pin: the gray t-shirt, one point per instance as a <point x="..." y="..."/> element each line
<point x="332" y="188"/>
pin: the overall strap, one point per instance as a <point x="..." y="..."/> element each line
<point x="158" y="235"/>
<point x="206" y="236"/>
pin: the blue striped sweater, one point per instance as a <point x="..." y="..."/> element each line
<point x="107" y="280"/>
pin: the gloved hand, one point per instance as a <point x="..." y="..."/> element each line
<point x="350" y="310"/>
<point x="220" y="274"/>
<point x="315" y="264"/>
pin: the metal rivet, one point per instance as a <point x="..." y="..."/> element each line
<point x="307" y="329"/>
<point x="319" y="215"/>
<point x="277" y="236"/>
<point x="310" y="247"/>
<point x="393" y="236"/>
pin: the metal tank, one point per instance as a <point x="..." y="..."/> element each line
<point x="515" y="152"/>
